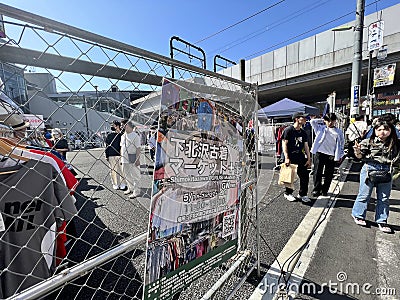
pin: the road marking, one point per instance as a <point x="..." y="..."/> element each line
<point x="268" y="288"/>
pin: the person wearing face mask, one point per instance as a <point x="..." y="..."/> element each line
<point x="328" y="148"/>
<point x="379" y="152"/>
<point x="113" y="156"/>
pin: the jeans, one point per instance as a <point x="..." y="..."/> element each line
<point x="322" y="160"/>
<point x="364" y="195"/>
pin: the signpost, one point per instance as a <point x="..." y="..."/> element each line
<point x="375" y="35"/>
<point x="355" y="98"/>
<point x="382" y="53"/>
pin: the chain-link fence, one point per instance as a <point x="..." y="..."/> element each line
<point x="75" y="204"/>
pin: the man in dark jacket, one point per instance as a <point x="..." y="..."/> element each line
<point x="113" y="156"/>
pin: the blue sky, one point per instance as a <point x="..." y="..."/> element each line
<point x="150" y="24"/>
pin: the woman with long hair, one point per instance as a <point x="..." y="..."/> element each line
<point x="379" y="153"/>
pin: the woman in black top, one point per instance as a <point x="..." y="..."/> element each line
<point x="60" y="144"/>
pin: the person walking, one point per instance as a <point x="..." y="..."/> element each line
<point x="379" y="152"/>
<point x="130" y="158"/>
<point x="296" y="151"/>
<point x="328" y="148"/>
<point x="152" y="143"/>
<point x="355" y="132"/>
<point x="60" y="144"/>
<point x="113" y="156"/>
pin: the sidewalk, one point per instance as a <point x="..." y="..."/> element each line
<point x="341" y="260"/>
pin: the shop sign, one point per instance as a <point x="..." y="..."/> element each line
<point x="35" y="121"/>
<point x="384" y="75"/>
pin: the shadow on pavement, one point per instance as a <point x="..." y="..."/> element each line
<point x="118" y="278"/>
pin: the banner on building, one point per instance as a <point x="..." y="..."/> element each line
<point x="384" y="75"/>
<point x="194" y="218"/>
<point x="35" y="121"/>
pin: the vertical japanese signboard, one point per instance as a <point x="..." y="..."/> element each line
<point x="194" y="217"/>
<point x="375" y="35"/>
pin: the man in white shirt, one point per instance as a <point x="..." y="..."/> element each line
<point x="328" y="148"/>
<point x="130" y="159"/>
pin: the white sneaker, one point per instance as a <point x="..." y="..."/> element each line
<point x="290" y="197"/>
<point x="122" y="187"/>
<point x="115" y="187"/>
<point x="133" y="196"/>
<point x="305" y="199"/>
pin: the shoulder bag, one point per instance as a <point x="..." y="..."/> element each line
<point x="131" y="157"/>
<point x="380" y="176"/>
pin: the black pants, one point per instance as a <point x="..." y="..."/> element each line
<point x="304" y="175"/>
<point x="152" y="153"/>
<point x="350" y="149"/>
<point x="323" y="161"/>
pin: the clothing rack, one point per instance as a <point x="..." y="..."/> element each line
<point x="285" y="124"/>
<point x="199" y="240"/>
<point x="164" y="241"/>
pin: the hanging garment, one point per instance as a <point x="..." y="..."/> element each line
<point x="34" y="204"/>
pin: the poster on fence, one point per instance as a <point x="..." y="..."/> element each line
<point x="195" y="206"/>
<point x="384" y="75"/>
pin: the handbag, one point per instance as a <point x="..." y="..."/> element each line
<point x="131" y="157"/>
<point x="380" y="176"/>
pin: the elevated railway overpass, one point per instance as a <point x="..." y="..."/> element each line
<point x="310" y="69"/>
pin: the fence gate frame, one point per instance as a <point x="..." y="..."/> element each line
<point x="247" y="258"/>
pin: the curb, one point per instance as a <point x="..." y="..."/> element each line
<point x="278" y="274"/>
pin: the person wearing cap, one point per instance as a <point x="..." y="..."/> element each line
<point x="296" y="151"/>
<point x="328" y="148"/>
<point x="113" y="156"/>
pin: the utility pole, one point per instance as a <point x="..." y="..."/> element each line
<point x="357" y="59"/>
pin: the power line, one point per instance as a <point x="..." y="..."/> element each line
<point x="241" y="21"/>
<point x="271" y="26"/>
<point x="304" y="33"/>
